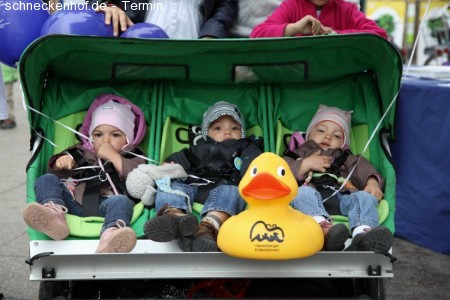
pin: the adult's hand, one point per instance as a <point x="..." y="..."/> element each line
<point x="117" y="17"/>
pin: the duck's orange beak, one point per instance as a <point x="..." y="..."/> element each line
<point x="265" y="186"/>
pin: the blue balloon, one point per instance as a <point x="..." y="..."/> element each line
<point x="145" y="31"/>
<point x="77" y="22"/>
<point x="20" y="24"/>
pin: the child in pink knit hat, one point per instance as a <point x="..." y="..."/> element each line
<point x="318" y="164"/>
<point x="88" y="179"/>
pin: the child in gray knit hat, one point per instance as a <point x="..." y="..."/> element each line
<point x="215" y="166"/>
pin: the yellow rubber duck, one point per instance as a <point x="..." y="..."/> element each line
<point x="270" y="228"/>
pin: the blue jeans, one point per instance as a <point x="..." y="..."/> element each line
<point x="49" y="187"/>
<point x="223" y="198"/>
<point x="360" y="207"/>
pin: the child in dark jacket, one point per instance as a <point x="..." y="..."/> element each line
<point x="89" y="178"/>
<point x="318" y="164"/>
<point x="215" y="167"/>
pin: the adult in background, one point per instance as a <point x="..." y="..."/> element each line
<point x="186" y="19"/>
<point x="9" y="78"/>
<point x="3" y="105"/>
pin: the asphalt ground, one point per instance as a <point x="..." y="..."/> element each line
<point x="419" y="273"/>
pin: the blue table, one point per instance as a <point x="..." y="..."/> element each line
<point x="421" y="155"/>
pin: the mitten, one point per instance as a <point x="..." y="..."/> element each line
<point x="140" y="185"/>
<point x="173" y="171"/>
<point x="141" y="181"/>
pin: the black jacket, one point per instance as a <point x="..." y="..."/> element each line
<point x="224" y="162"/>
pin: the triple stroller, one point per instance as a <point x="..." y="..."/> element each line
<point x="278" y="85"/>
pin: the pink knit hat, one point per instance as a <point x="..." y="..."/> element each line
<point x="341" y="117"/>
<point x="114" y="114"/>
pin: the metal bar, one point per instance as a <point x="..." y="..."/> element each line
<point x="164" y="260"/>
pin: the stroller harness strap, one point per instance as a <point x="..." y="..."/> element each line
<point x="91" y="195"/>
<point x="226" y="171"/>
<point x="212" y="177"/>
<point x="325" y="182"/>
<point x="90" y="204"/>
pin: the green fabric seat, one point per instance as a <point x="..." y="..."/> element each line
<point x="185" y="102"/>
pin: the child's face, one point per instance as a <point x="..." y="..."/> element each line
<point x="108" y="134"/>
<point x="328" y="135"/>
<point x="225" y="128"/>
<point x="319" y="3"/>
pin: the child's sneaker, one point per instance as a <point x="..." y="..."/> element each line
<point x="378" y="240"/>
<point x="48" y="218"/>
<point x="170" y="224"/>
<point x="334" y="235"/>
<point x="120" y="239"/>
<point x="204" y="240"/>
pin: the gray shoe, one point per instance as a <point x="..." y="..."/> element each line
<point x="334" y="236"/>
<point x="378" y="240"/>
<point x="204" y="240"/>
<point x="170" y="225"/>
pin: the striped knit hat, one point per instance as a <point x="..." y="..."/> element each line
<point x="220" y="109"/>
<point x="341" y="117"/>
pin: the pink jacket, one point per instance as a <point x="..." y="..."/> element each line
<point x="342" y="17"/>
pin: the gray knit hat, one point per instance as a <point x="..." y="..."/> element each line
<point x="220" y="109"/>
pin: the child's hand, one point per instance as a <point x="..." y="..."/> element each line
<point x="116" y="16"/>
<point x="327" y="30"/>
<point x="107" y="152"/>
<point x="64" y="162"/>
<point x="306" y="25"/>
<point x="374" y="189"/>
<point x="315" y="162"/>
